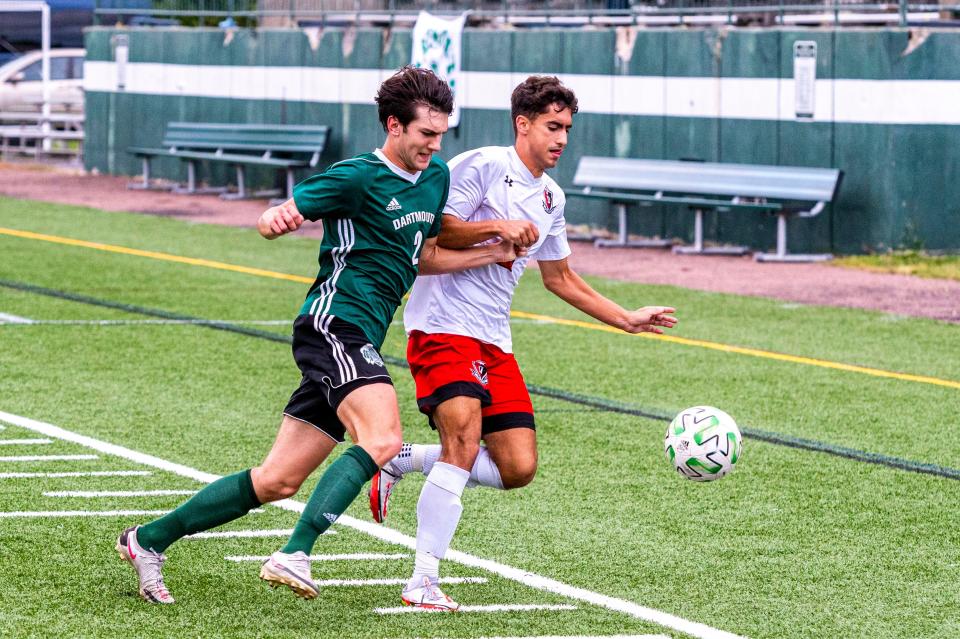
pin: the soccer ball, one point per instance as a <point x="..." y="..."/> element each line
<point x="703" y="443"/>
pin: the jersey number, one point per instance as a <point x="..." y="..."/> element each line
<point x="417" y="243"/>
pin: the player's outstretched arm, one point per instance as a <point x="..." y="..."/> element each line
<point x="434" y="259"/>
<point x="457" y="234"/>
<point x="280" y="220"/>
<point x="563" y="282"/>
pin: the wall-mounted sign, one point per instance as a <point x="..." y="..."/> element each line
<point x="804" y="78"/>
<point x="121" y="51"/>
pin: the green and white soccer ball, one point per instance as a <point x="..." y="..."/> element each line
<point x="703" y="443"/>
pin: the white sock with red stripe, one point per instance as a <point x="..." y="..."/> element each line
<point x="438" y="514"/>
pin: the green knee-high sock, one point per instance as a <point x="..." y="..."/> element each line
<point x="224" y="500"/>
<point x="335" y="491"/>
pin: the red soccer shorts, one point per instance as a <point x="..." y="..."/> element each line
<point x="445" y="366"/>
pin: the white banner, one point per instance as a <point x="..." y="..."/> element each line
<point x="437" y="45"/>
<point x="805" y="78"/>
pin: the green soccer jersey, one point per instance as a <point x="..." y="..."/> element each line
<point x="376" y="218"/>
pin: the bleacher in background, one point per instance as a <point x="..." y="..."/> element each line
<point x="528" y="13"/>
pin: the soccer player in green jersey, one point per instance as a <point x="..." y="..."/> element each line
<point x="381" y="214"/>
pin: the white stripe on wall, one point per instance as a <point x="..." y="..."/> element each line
<point x="864" y="101"/>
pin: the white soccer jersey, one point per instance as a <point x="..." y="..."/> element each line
<point x="489" y="183"/>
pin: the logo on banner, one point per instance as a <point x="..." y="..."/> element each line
<point x="437" y="46"/>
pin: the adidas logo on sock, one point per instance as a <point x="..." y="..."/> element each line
<point x="330" y="517"/>
<point x="394" y="205"/>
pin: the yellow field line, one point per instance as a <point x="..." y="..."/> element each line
<point x="725" y="348"/>
<point x="223" y="266"/>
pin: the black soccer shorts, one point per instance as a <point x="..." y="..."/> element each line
<point x="335" y="358"/>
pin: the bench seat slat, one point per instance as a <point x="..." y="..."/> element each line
<point x="670" y="199"/>
<point x="240" y="158"/>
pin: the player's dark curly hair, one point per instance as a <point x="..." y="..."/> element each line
<point x="536" y="94"/>
<point x="405" y="90"/>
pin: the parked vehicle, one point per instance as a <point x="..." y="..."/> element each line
<point x="21" y="81"/>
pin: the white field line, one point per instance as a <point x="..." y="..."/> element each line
<point x="94" y="473"/>
<point x="399" y="581"/>
<point x="23" y="514"/>
<point x="222" y="534"/>
<point x="357" y="556"/>
<point x="138" y="322"/>
<point x="23" y="458"/>
<point x="7" y="318"/>
<point x="696" y="629"/>
<point x="493" y="608"/>
<point x="24" y="442"/>
<point x="117" y="493"/>
<point x="585" y="637"/>
<point x="80" y="513"/>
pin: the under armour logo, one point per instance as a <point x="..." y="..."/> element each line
<point x="508" y="181"/>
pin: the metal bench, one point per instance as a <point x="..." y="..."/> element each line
<point x="279" y="146"/>
<point x="709" y="186"/>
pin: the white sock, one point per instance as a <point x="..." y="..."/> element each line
<point x="438" y="513"/>
<point x="409" y="459"/>
<point x="485" y="472"/>
<point x="429" y="456"/>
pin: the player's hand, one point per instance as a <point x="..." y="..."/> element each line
<point x="504" y="251"/>
<point x="650" y="319"/>
<point x="523" y="233"/>
<point x="279" y="220"/>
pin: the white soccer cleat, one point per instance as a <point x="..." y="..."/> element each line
<point x="381" y="486"/>
<point x="428" y="596"/>
<point x="147" y="564"/>
<point x="290" y="570"/>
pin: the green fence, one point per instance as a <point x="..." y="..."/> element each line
<point x="885" y="110"/>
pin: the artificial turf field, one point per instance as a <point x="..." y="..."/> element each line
<point x="840" y="521"/>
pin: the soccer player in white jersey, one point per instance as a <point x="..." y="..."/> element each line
<point x="460" y="350"/>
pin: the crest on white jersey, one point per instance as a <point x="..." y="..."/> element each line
<point x="479" y="370"/>
<point x="371" y="355"/>
<point x="548" y="202"/>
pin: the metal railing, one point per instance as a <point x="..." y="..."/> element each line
<point x="249" y="13"/>
<point x="36" y="134"/>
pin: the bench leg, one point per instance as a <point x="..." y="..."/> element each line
<point x="781" y="236"/>
<point x="242" y="192"/>
<point x="698" y="231"/>
<point x="241" y="182"/>
<point x="781" y="255"/>
<point x="623" y="237"/>
<point x="144" y="184"/>
<point x="698" y="248"/>
<point x="192" y="182"/>
<point x="289" y="183"/>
